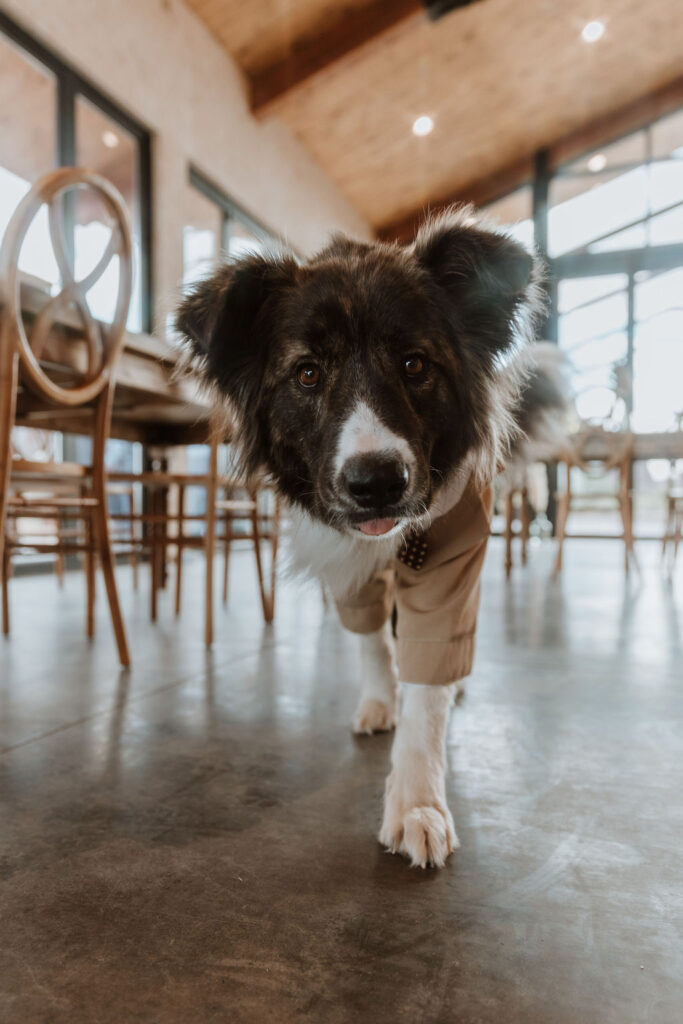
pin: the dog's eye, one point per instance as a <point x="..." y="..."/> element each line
<point x="413" y="366"/>
<point x="308" y="375"/>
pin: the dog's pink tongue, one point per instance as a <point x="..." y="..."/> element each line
<point x="376" y="527"/>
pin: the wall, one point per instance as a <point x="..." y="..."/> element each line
<point x="155" y="58"/>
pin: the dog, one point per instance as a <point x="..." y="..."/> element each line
<point x="381" y="387"/>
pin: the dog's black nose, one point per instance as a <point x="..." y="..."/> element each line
<point x="375" y="481"/>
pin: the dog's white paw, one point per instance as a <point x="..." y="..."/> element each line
<point x="425" y="834"/>
<point x="374" y="715"/>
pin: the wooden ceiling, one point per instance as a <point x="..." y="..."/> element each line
<point x="501" y="79"/>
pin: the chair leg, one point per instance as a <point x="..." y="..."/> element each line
<point x="626" y="510"/>
<point x="154" y="554"/>
<point x="90" y="578"/>
<point x="668" y="524"/>
<point x="509" y="513"/>
<point x="275" y="542"/>
<point x="179" y="549"/>
<point x="210" y="536"/>
<point x="526" y="523"/>
<point x="227" y="540"/>
<point x="59" y="560"/>
<point x="256" y="534"/>
<point x="6" y="570"/>
<point x="8" y="398"/>
<point x="133" y="560"/>
<point x="562" y="516"/>
<point x="106" y="558"/>
<point x="101" y="522"/>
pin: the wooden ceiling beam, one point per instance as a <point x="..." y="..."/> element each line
<point x="479" y="192"/>
<point x="320" y="49"/>
<point x="599" y="132"/>
<point x="617" y="123"/>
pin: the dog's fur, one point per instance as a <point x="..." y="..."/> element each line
<point x="401" y="359"/>
<point x="543" y="412"/>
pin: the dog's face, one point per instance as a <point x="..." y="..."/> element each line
<point x="361" y="380"/>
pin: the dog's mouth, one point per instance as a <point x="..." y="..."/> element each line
<point x="376" y="527"/>
<point x="376" y="523"/>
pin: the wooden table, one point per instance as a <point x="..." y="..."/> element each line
<point x="151" y="404"/>
<point x="667" y="445"/>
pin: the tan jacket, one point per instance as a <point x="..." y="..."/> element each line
<point x="435" y="584"/>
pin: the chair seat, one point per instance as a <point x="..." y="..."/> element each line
<point x="19" y="502"/>
<point x="25" y="470"/>
<point x="228" y="505"/>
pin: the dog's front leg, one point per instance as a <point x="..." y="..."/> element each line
<point x="376" y="711"/>
<point x="417" y="822"/>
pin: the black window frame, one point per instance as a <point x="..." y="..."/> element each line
<point x="231" y="211"/>
<point x="71" y="84"/>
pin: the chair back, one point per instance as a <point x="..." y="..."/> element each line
<point x="615" y="447"/>
<point x="103" y="341"/>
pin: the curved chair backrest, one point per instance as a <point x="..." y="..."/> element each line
<point x="104" y="341"/>
<point x="617" y="444"/>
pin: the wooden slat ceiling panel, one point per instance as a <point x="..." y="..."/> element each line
<point x="501" y="78"/>
<point x="259" y="33"/>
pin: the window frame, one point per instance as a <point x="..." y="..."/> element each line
<point x="230" y="210"/>
<point x="70" y="84"/>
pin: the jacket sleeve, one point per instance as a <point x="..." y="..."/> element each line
<point x="368" y="609"/>
<point x="438" y="601"/>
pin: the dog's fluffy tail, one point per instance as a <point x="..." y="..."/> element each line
<point x="543" y="409"/>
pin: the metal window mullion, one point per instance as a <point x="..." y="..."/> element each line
<point x="66" y="150"/>
<point x="225" y="231"/>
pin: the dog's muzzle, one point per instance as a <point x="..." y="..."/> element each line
<point x="376" y="484"/>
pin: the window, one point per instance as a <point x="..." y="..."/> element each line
<point x="214" y="225"/>
<point x="627" y="195"/>
<point x="614" y="252"/>
<point x="515" y="212"/>
<point x="28" y="147"/>
<point x="52" y="117"/>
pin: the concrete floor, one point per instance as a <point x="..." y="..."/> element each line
<point x="193" y="841"/>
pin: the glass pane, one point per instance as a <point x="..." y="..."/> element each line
<point x="666" y="183"/>
<point x="28" y="146"/>
<point x="242" y="239"/>
<point x="202" y="231"/>
<point x="595" y="319"/>
<point x="592" y="329"/>
<point x="573" y="292"/>
<point x="667" y="228"/>
<point x="585" y="209"/>
<point x="658" y="350"/>
<point x="104" y="146"/>
<point x="667" y="136"/>
<point x="630" y="150"/>
<point x="632" y="238"/>
<point x="514" y="212"/>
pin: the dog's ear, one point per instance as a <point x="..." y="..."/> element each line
<point x="226" y="321"/>
<point x="486" y="280"/>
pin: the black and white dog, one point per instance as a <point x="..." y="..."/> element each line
<point x="371" y="383"/>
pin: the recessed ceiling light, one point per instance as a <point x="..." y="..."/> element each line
<point x="110" y="139"/>
<point x="593" y="31"/>
<point x="423" y="125"/>
<point x="597" y="162"/>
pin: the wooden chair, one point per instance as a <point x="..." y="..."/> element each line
<point x="21" y="350"/>
<point x="164" y="528"/>
<point x="673" y="526"/>
<point x="122" y="526"/>
<point x="239" y="505"/>
<point x="517" y="507"/>
<point x="618" y="446"/>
